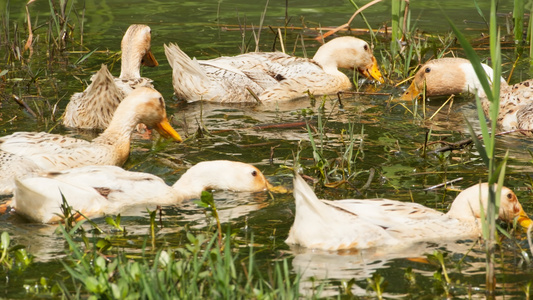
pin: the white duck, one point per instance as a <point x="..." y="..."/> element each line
<point x="448" y="76"/>
<point x="56" y="152"/>
<point x="94" y="107"/>
<point x="369" y="223"/>
<point x="272" y="76"/>
<point x="95" y="190"/>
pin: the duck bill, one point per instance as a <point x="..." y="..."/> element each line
<point x="373" y="71"/>
<point x="167" y="131"/>
<point x="149" y="59"/>
<point x="411" y="93"/>
<point x="523" y="219"/>
<point x="277" y="189"/>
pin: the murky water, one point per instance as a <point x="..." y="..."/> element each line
<point x="391" y="139"/>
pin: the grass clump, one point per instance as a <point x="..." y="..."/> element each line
<point x="199" y="269"/>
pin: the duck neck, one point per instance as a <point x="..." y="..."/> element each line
<point x="131" y="63"/>
<point x="468" y="204"/>
<point x="324" y="57"/>
<point x="118" y="133"/>
<point x="472" y="83"/>
<point x="194" y="181"/>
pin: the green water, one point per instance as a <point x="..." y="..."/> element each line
<point x="392" y="138"/>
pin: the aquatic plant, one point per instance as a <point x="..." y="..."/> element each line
<point x="198" y="269"/>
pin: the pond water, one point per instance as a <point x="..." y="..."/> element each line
<point x="388" y="136"/>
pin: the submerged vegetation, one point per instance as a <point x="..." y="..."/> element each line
<point x="349" y="150"/>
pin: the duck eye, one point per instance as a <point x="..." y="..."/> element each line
<point x="509" y="196"/>
<point x="366" y="47"/>
<point x="428" y="69"/>
<point x="161" y="100"/>
<point x="254" y="173"/>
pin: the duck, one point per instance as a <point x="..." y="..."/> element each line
<point x="270" y="76"/>
<point x="448" y="76"/>
<point x="95" y="190"/>
<point x="94" y="107"/>
<point x="373" y="223"/>
<point x="47" y="151"/>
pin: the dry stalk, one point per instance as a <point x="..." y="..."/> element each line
<point x="323" y="36"/>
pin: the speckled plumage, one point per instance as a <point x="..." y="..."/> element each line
<point x="272" y="76"/>
<point x="94" y="107"/>
<point x="56" y="152"/>
<point x="362" y="224"/>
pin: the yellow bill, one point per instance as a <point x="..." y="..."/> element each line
<point x="277" y="189"/>
<point x="412" y="92"/>
<point x="167" y="131"/>
<point x="523" y="219"/>
<point x="373" y="71"/>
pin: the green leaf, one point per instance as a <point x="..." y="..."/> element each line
<point x="4" y="240"/>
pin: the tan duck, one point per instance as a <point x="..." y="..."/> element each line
<point x="272" y="76"/>
<point x="369" y="223"/>
<point x="94" y="107"/>
<point x="448" y="76"/>
<point x="97" y="190"/>
<point x="112" y="147"/>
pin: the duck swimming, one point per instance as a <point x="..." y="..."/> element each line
<point x="48" y="151"/>
<point x="369" y="223"/>
<point x="271" y="76"/>
<point x="448" y="76"/>
<point x="95" y="190"/>
<point x="94" y="107"/>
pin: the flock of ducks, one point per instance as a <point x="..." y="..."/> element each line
<point x="42" y="169"/>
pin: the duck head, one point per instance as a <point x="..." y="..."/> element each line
<point x="221" y="175"/>
<point x="350" y="53"/>
<point x="136" y="50"/>
<point x="446" y="76"/>
<point x="143" y="105"/>
<point x="467" y="205"/>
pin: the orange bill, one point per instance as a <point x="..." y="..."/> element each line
<point x="373" y="71"/>
<point x="167" y="131"/>
<point x="412" y="92"/>
<point x="149" y="59"/>
<point x="523" y="219"/>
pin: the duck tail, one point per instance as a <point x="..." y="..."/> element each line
<point x="303" y="194"/>
<point x="40" y="199"/>
<point x="181" y="63"/>
<point x="80" y="104"/>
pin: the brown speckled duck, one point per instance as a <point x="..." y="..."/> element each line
<point x="46" y="151"/>
<point x="271" y="76"/>
<point x="448" y="76"/>
<point x="94" y="107"/>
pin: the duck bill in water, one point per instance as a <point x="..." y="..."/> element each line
<point x="149" y="59"/>
<point x="373" y="71"/>
<point x="277" y="189"/>
<point x="167" y="131"/>
<point x="412" y="92"/>
<point x="523" y="219"/>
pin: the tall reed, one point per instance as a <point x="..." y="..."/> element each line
<point x="487" y="147"/>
